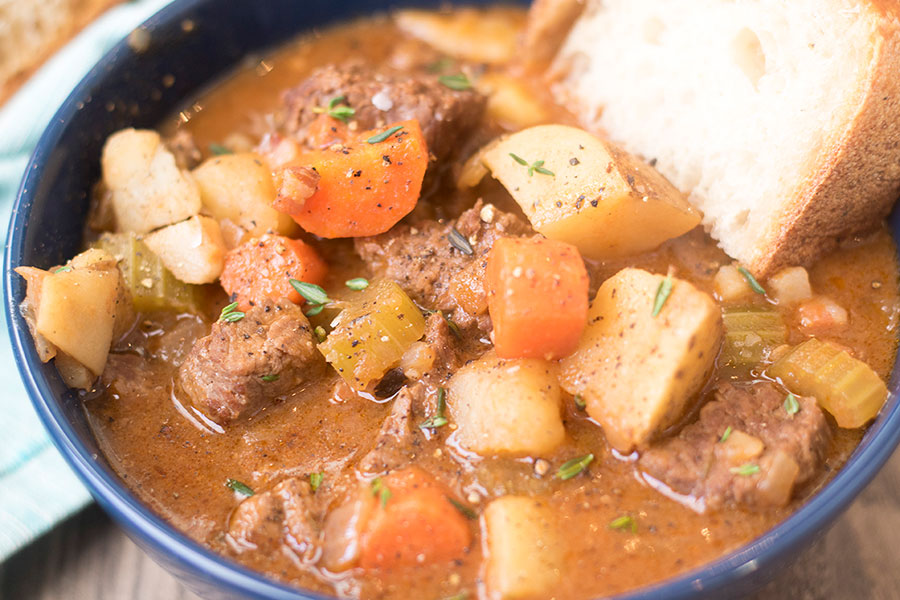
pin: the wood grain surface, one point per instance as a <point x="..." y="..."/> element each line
<point x="88" y="558"/>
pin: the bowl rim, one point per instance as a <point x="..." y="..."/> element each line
<point x="775" y="546"/>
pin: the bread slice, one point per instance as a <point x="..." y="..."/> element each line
<point x="780" y="119"/>
<point x="32" y="30"/>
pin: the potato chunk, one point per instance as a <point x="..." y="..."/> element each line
<point x="524" y="549"/>
<point x="240" y="188"/>
<point x="192" y="250"/>
<point x="466" y="33"/>
<point x="77" y="311"/>
<point x="588" y="192"/>
<point x="636" y="371"/>
<point x="147" y="189"/>
<point x="507" y="406"/>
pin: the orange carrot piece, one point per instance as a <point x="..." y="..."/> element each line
<point x="411" y="521"/>
<point x="261" y="267"/>
<point x="537" y="297"/>
<point x="365" y="188"/>
<point x="325" y="131"/>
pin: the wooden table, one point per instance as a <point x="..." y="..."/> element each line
<point x="88" y="558"/>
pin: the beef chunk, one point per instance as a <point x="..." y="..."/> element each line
<point x="284" y="514"/>
<point x="767" y="455"/>
<point x="399" y="439"/>
<point x="446" y="116"/>
<point x="435" y="273"/>
<point x="224" y="372"/>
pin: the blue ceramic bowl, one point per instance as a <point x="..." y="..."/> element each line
<point x="124" y="90"/>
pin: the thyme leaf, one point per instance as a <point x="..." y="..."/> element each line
<point x="571" y="468"/>
<point x="662" y="294"/>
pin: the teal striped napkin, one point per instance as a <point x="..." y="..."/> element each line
<point x="39" y="489"/>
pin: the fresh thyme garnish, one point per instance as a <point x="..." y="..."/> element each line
<point x="65" y="269"/>
<point x="270" y="378"/>
<point x="218" y="149"/>
<point x="357" y="283"/>
<point x="313" y="294"/>
<point x="571" y="468"/>
<point x="437" y="419"/>
<point x="662" y="294"/>
<point x="381" y="491"/>
<point x="536" y="166"/>
<point x="791" y="406"/>
<point x="230" y="314"/>
<point x="459" y="241"/>
<point x="236" y="486"/>
<point x="745" y="470"/>
<point x="458" y="82"/>
<point x="335" y="109"/>
<point x="463" y="509"/>
<point x="754" y="284"/>
<point x="315" y="480"/>
<point x="624" y="522"/>
<point x="725" y="435"/>
<point x="320" y="333"/>
<point x="580" y="404"/>
<point x="380" y="137"/>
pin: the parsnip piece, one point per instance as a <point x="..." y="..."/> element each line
<point x="77" y="313"/>
<point x="240" y="188"/>
<point x="192" y="250"/>
<point x="467" y="34"/>
<point x="599" y="198"/>
<point x="790" y="286"/>
<point x="507" y="406"/>
<point x="635" y="371"/>
<point x="523" y="549"/>
<point x="147" y="189"/>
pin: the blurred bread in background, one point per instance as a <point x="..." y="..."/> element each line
<point x="32" y="30"/>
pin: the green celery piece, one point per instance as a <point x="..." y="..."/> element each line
<point x="152" y="286"/>
<point x="846" y="387"/>
<point x="750" y="334"/>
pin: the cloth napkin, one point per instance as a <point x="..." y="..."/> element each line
<point x="38" y="487"/>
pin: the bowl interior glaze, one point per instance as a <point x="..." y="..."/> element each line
<point x="125" y="90"/>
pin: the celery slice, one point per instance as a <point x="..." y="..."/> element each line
<point x="846" y="387"/>
<point x="152" y="286"/>
<point x="750" y="334"/>
<point x="372" y="332"/>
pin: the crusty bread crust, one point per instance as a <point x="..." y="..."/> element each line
<point x="850" y="182"/>
<point x="855" y="178"/>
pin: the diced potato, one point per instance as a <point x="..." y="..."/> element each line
<point x="739" y="448"/>
<point x="730" y="285"/>
<point x="150" y="285"/>
<point x="510" y="103"/>
<point x="372" y="333"/>
<point x="147" y="189"/>
<point x="192" y="250"/>
<point x="507" y="406"/>
<point x="846" y="387"/>
<point x="75" y="374"/>
<point x="467" y="34"/>
<point x="34" y="281"/>
<point x="598" y="197"/>
<point x="524" y="549"/>
<point x="239" y="187"/>
<point x="779" y="473"/>
<point x="789" y="286"/>
<point x="635" y="371"/>
<point x="77" y="313"/>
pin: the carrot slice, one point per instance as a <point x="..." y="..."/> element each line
<point x="411" y="522"/>
<point x="262" y="267"/>
<point x="366" y="185"/>
<point x="537" y="297"/>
